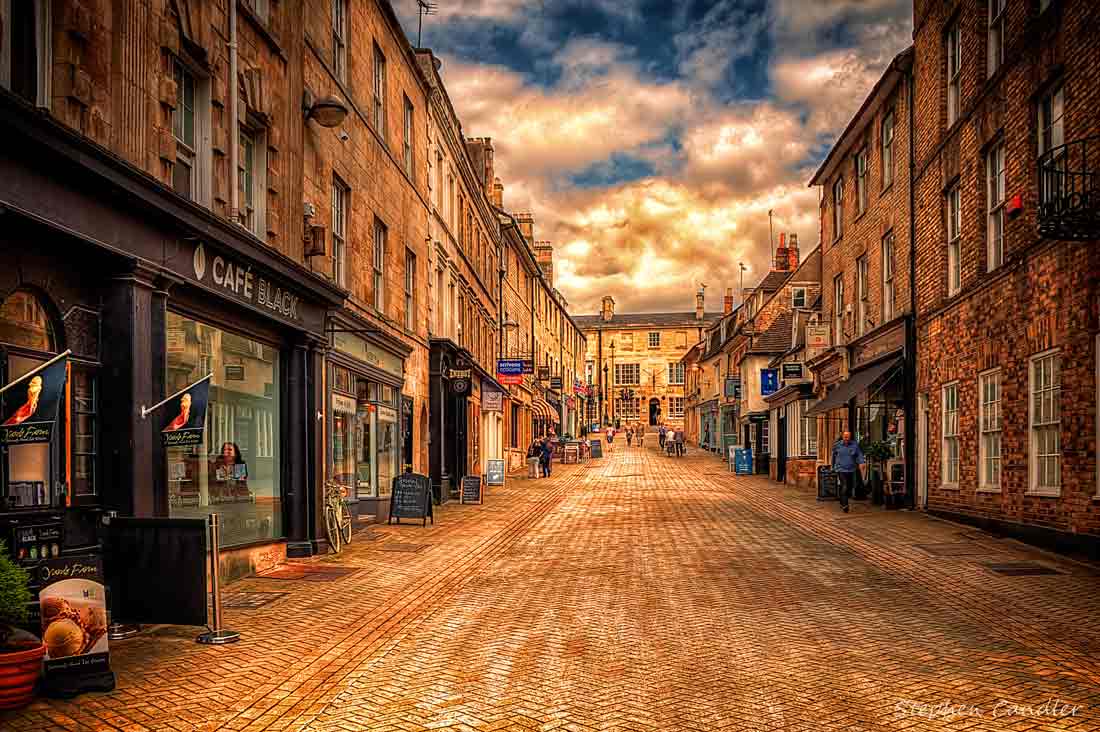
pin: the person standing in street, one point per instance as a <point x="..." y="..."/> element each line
<point x="610" y="437"/>
<point x="847" y="459"/>
<point x="547" y="457"/>
<point x="641" y="435"/>
<point x="661" y="436"/>
<point x="679" y="435"/>
<point x="629" y="436"/>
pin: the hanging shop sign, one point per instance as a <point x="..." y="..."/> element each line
<point x="817" y="336"/>
<point x="73" y="609"/>
<point x="492" y="400"/>
<point x="769" y="381"/>
<point x="510" y="379"/>
<point x="28" y="405"/>
<point x="555" y="382"/>
<point x="733" y="387"/>
<point x="792" y="371"/>
<point x="187" y="408"/>
<point x="544" y="373"/>
<point x="460" y="380"/>
<point x="528" y="366"/>
<point x="510" y="366"/>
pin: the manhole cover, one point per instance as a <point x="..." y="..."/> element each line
<point x="1021" y="569"/>
<point x="309" y="572"/>
<point x="953" y="550"/>
<point x="398" y="547"/>
<point x="250" y="600"/>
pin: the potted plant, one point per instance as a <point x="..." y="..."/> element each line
<point x="20" y="652"/>
<point x="877" y="453"/>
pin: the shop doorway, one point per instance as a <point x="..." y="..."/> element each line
<point x="922" y="451"/>
<point x="654" y="412"/>
<point x="781" y="448"/>
<point x="406" y="433"/>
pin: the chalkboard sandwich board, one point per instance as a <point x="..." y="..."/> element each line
<point x="411" y="498"/>
<point x="494" y="472"/>
<point x="471" y="489"/>
<point x="827" y="484"/>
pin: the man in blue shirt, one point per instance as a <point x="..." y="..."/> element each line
<point x="847" y="459"/>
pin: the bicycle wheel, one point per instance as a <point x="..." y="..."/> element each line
<point x="332" y="529"/>
<point x="343" y="520"/>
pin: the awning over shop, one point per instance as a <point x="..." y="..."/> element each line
<point x="543" y="410"/>
<point x="856" y="384"/>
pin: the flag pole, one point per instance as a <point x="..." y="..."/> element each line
<point x="147" y="411"/>
<point x="51" y="362"/>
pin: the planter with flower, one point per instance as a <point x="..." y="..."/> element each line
<point x="21" y="653"/>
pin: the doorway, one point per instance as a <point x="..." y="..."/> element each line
<point x="654" y="412"/>
<point x="781" y="447"/>
<point x="922" y="451"/>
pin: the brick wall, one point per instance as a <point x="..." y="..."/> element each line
<point x="1044" y="296"/>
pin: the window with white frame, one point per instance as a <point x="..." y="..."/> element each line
<point x="1046" y="423"/>
<point x="627" y="373"/>
<point x="379" y="264"/>
<point x="627" y="409"/>
<point x="951" y="434"/>
<point x="764" y="441"/>
<point x="995" y="178"/>
<point x="26" y="52"/>
<point x="838" y="208"/>
<point x="1051" y="136"/>
<point x="798" y="297"/>
<point x="407" y="137"/>
<point x="861" y="295"/>
<point x="340" y="39"/>
<point x="807" y="444"/>
<point x="589" y="372"/>
<point x="953" y="51"/>
<point x="996" y="42"/>
<point x="675" y="373"/>
<point x="888" y="296"/>
<point x="888" y="149"/>
<point x="838" y="309"/>
<point x="410" y="290"/>
<point x="954" y="240"/>
<point x="439" y="182"/>
<point x="675" y="406"/>
<point x="989" y="420"/>
<point x="251" y="180"/>
<point x="654" y="339"/>
<point x="378" y="103"/>
<point x="341" y="196"/>
<point x="861" y="181"/>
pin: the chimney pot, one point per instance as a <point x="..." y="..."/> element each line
<point x="727" y="303"/>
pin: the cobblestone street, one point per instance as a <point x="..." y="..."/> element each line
<point x="635" y="592"/>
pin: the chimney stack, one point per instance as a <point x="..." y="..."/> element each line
<point x="782" y="260"/>
<point x="699" y="303"/>
<point x="527" y="226"/>
<point x="727" y="304"/>
<point x="792" y="253"/>
<point x="607" y="308"/>
<point x="498" y="193"/>
<point x="544" y="255"/>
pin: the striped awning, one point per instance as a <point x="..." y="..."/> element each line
<point x="543" y="410"/>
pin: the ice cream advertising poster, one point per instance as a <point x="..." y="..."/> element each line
<point x="28" y="405"/>
<point x="185" y="415"/>
<point x="73" y="603"/>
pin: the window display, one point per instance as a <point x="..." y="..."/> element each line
<point x="235" y="471"/>
<point x="365" y="440"/>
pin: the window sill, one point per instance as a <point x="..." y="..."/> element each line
<point x="1044" y="493"/>
<point x="993" y="489"/>
<point x="949" y="486"/>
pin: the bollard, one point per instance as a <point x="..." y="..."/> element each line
<point x="216" y="636"/>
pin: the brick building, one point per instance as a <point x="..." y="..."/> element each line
<point x="633" y="363"/>
<point x="1007" y="300"/>
<point x="864" y="380"/>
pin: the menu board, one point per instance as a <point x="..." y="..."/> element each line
<point x="411" y="498"/>
<point x="827" y="483"/>
<point x="494" y="472"/>
<point x="73" y="608"/>
<point x="471" y="489"/>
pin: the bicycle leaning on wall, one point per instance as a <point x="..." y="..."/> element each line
<point x="337" y="518"/>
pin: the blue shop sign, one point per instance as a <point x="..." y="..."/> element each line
<point x="510" y="366"/>
<point x="742" y="460"/>
<point x="769" y="381"/>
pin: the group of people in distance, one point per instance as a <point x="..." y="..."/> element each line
<point x="669" y="439"/>
<point x="543" y="449"/>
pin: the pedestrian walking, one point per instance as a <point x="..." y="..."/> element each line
<point x="847" y="459"/>
<point x="679" y="443"/>
<point x="547" y="457"/>
<point x="610" y="437"/>
<point x="534" y="460"/>
<point x="641" y="436"/>
<point x="661" y="434"/>
<point x="629" y="436"/>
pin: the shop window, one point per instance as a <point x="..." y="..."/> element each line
<point x="25" y="50"/>
<point x="951" y="435"/>
<point x="765" y="435"/>
<point x="238" y="465"/>
<point x="85" y="430"/>
<point x="807" y="430"/>
<point x="1045" y="386"/>
<point x="989" y="418"/>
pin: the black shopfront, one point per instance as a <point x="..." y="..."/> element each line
<point x="150" y="292"/>
<point x="452" y="372"/>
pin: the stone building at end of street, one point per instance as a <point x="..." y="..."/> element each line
<point x="632" y="363"/>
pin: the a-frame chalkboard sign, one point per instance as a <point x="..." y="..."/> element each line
<point x="471" y="489"/>
<point x="411" y="498"/>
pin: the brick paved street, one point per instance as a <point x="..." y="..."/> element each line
<point x="635" y="592"/>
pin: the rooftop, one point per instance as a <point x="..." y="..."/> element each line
<point x="777" y="338"/>
<point x="644" y="320"/>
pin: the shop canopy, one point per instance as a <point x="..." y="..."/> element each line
<point x="856" y="384"/>
<point x="543" y="410"/>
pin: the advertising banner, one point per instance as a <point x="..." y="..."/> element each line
<point x="29" y="405"/>
<point x="769" y="381"/>
<point x="510" y="366"/>
<point x="188" y="410"/>
<point x="510" y="379"/>
<point x="743" y="461"/>
<point x="73" y="606"/>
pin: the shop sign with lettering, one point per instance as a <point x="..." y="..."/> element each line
<point x="817" y="336"/>
<point x="341" y="403"/>
<point x="358" y="348"/>
<point x="491" y="400"/>
<point x="240" y="281"/>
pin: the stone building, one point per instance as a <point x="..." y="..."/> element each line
<point x="864" y="379"/>
<point x="1007" y="265"/>
<point x="466" y="411"/>
<point x="633" y="363"/>
<point x="365" y="186"/>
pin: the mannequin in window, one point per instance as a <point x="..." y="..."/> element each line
<point x="183" y="417"/>
<point x="34" y="389"/>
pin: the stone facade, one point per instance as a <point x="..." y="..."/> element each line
<point x="988" y="338"/>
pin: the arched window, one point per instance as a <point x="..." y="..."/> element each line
<point x="25" y="324"/>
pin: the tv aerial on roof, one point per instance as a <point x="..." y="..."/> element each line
<point x="424" y="7"/>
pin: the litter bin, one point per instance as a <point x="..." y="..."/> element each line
<point x="532" y="467"/>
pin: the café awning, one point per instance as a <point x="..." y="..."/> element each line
<point x="855" y="385"/>
<point x="543" y="410"/>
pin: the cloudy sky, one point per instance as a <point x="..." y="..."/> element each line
<point x="651" y="137"/>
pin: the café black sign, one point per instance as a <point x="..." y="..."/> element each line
<point x="240" y="281"/>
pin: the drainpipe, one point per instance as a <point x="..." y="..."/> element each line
<point x="234" y="135"/>
<point x="910" y="395"/>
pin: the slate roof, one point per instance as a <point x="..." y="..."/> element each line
<point x="773" y="280"/>
<point x="642" y="320"/>
<point x="777" y="338"/>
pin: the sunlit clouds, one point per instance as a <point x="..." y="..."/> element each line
<point x="650" y="150"/>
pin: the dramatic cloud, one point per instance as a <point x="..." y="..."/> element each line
<point x="650" y="146"/>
